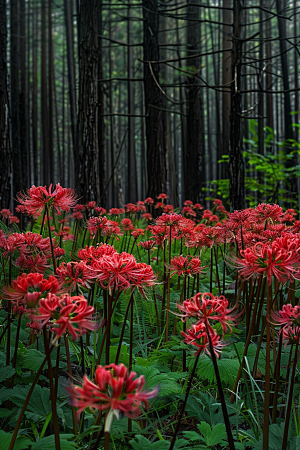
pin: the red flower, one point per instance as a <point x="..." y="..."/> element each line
<point x="115" y="271"/>
<point x="198" y="337"/>
<point x="115" y="389"/>
<point x="147" y="216"/>
<point x="149" y="201"/>
<point x="206" y="308"/>
<point x="5" y="213"/>
<point x="91" y="205"/>
<point x="161" y="197"/>
<point x="262" y="259"/>
<point x="185" y="265"/>
<point x="67" y="313"/>
<point x="147" y="245"/>
<point x="35" y="199"/>
<point x="33" y="283"/>
<point x="75" y="274"/>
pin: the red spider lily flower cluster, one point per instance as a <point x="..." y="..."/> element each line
<point x="114" y="389"/>
<point x="185" y="265"/>
<point x="27" y="289"/>
<point x="269" y="260"/>
<point x="66" y="313"/>
<point x="36" y="198"/>
<point x="205" y="310"/>
<point x="29" y="251"/>
<point x="75" y="274"/>
<point x="289" y="319"/>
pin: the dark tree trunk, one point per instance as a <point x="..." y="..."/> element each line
<point x="71" y="74"/>
<point x="226" y="80"/>
<point x="44" y="102"/>
<point x="156" y="158"/>
<point x="5" y="153"/>
<point x="101" y="125"/>
<point x="194" y="126"/>
<point x="236" y="161"/>
<point x="15" y="90"/>
<point x="87" y="119"/>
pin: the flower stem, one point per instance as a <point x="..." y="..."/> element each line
<point x="221" y="393"/>
<point x="184" y="402"/>
<point x="52" y="393"/>
<point x="169" y="281"/>
<point x="74" y="418"/>
<point x="51" y="243"/>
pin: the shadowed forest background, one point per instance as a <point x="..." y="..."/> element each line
<point x="123" y="100"/>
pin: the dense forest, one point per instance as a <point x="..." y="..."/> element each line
<point x="124" y="100"/>
<point x="149" y="232"/>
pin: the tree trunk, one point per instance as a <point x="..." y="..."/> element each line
<point x="194" y="126"/>
<point x="226" y="82"/>
<point x="87" y="119"/>
<point x="236" y="161"/>
<point x="5" y="151"/>
<point x="101" y="125"/>
<point x="156" y="158"/>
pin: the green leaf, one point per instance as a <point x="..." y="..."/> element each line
<point x="213" y="436"/>
<point x="48" y="443"/>
<point x="6" y="372"/>
<point x="141" y="443"/>
<point x="22" y="442"/>
<point x="39" y="404"/>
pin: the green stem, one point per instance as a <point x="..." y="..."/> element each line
<point x="74" y="417"/>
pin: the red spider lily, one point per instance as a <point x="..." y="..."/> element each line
<point x="162" y="197"/>
<point x="20" y="209"/>
<point x="36" y="198"/>
<point x="78" y="208"/>
<point x="262" y="259"/>
<point x="168" y="209"/>
<point x="91" y="205"/>
<point x="159" y="205"/>
<point x="75" y="274"/>
<point x="197" y="336"/>
<point x="99" y="210"/>
<point x="169" y="219"/>
<point x="67" y="313"/>
<point x="13" y="219"/>
<point x="290" y="334"/>
<point x="130" y="207"/>
<point x="38" y="263"/>
<point x="206" y="308"/>
<point x="188" y="203"/>
<point x="149" y="201"/>
<point x="127" y="225"/>
<point x="266" y="211"/>
<point x="5" y="213"/>
<point x="115" y="389"/>
<point x="114" y="272"/>
<point x="65" y="235"/>
<point x="116" y="211"/>
<point x="288" y="316"/>
<point x="137" y="233"/>
<point x="92" y="254"/>
<point x="185" y="265"/>
<point x="197" y="206"/>
<point x="188" y="211"/>
<point x="141" y="207"/>
<point x="142" y="276"/>
<point x="77" y="215"/>
<point x="96" y="223"/>
<point x="147" y="216"/>
<point x="147" y="245"/>
<point x="33" y="283"/>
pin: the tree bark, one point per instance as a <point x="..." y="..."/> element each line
<point x="194" y="126"/>
<point x="236" y="161"/>
<point x="5" y="151"/>
<point x="156" y="158"/>
<point x="87" y="119"/>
